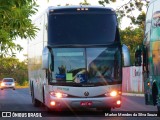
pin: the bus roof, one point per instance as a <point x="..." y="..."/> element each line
<point x="85" y="8"/>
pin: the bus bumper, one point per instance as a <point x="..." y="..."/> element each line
<point x="101" y="102"/>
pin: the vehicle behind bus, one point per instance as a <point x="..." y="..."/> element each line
<point x="77" y="61"/>
<point x="150" y="52"/>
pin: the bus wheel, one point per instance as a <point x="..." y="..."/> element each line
<point x="43" y="94"/>
<point x="35" y="102"/>
<point x="158" y="108"/>
<point x="154" y="94"/>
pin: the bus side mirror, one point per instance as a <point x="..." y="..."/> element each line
<point x="126" y="56"/>
<point x="138" y="59"/>
<point x="45" y="58"/>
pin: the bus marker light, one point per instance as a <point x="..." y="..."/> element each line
<point x="86" y="8"/>
<point x="82" y="8"/>
<point x="148" y="83"/>
<point x="52" y="103"/>
<point x="118" y="102"/>
<point x="113" y="93"/>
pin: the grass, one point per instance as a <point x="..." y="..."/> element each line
<point x="25" y="85"/>
<point x="18" y="86"/>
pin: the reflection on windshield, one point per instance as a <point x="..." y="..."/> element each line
<point x="86" y="65"/>
<point x="69" y="62"/>
<point x="102" y="64"/>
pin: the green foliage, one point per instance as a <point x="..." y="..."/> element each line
<point x="15" y="22"/>
<point x="11" y="67"/>
<point x="139" y="21"/>
<point x="126" y="10"/>
<point x="84" y="3"/>
<point x="103" y="2"/>
<point x="132" y="37"/>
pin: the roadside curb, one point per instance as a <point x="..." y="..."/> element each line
<point x="133" y="94"/>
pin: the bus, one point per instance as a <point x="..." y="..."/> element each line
<point x="75" y="61"/>
<point x="149" y="55"/>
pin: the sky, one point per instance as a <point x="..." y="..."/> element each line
<point x="43" y="4"/>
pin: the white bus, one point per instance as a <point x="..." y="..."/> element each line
<point x="75" y="61"/>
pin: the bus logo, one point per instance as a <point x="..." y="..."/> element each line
<point x="86" y="93"/>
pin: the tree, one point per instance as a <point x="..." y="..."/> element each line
<point x="84" y="3"/>
<point x="11" y="67"/>
<point x="15" y="22"/>
<point x="126" y="10"/>
<point x="133" y="35"/>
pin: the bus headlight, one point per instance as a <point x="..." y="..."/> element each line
<point x="58" y="94"/>
<point x="113" y="93"/>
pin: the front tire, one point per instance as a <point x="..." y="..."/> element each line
<point x="158" y="108"/>
<point x="35" y="102"/>
<point x="155" y="94"/>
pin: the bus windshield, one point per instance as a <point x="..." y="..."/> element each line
<point x="79" y="66"/>
<point x="84" y="29"/>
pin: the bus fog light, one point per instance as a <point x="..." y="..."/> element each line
<point x="118" y="102"/>
<point x="52" y="103"/>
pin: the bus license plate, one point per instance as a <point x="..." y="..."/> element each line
<point x="86" y="103"/>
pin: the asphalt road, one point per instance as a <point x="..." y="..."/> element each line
<point x="19" y="101"/>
